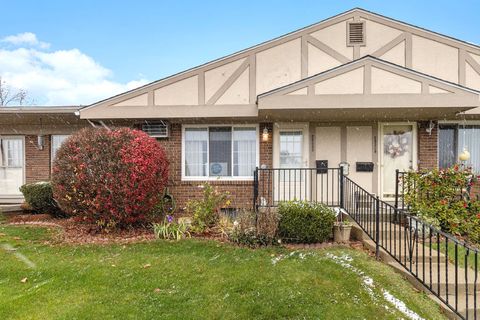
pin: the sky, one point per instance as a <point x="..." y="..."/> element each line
<point x="79" y="52"/>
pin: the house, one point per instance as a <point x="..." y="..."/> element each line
<point x="357" y="89"/>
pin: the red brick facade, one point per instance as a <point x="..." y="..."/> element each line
<point x="37" y="162"/>
<point x="241" y="191"/>
<point x="427" y="146"/>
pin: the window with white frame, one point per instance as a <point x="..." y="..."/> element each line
<point x="57" y="141"/>
<point x="453" y="138"/>
<point x="220" y="151"/>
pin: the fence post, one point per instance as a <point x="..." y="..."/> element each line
<point x="342" y="194"/>
<point x="397" y="174"/>
<point x="377" y="227"/>
<point x="255" y="189"/>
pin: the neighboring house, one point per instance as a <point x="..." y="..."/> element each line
<point x="359" y="88"/>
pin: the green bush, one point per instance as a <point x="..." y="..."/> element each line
<point x="39" y="197"/>
<point x="442" y="198"/>
<point x="304" y="222"/>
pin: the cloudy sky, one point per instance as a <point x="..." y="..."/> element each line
<point x="72" y="53"/>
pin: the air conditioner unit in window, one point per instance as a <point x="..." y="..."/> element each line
<point x="156" y="129"/>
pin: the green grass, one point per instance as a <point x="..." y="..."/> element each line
<point x="191" y="279"/>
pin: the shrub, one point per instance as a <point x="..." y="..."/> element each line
<point x="255" y="231"/>
<point x="111" y="178"/>
<point x="305" y="222"/>
<point x="206" y="212"/>
<point x="39" y="197"/>
<point x="442" y="198"/>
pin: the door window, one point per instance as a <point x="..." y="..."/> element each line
<point x="11" y="165"/>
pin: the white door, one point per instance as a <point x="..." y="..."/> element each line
<point x="397" y="150"/>
<point x="288" y="180"/>
<point x="11" y="165"/>
<point x="360" y="149"/>
<point x="328" y="150"/>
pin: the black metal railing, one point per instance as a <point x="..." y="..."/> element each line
<point x="446" y="266"/>
<point x="272" y="186"/>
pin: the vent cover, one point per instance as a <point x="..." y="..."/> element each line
<point x="356" y="33"/>
<point x="157" y="129"/>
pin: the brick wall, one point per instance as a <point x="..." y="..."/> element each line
<point x="37" y="162"/>
<point x="427" y="146"/>
<point x="241" y="191"/>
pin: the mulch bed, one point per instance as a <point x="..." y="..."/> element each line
<point x="73" y="232"/>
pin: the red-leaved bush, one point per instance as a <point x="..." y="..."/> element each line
<point x="111" y="178"/>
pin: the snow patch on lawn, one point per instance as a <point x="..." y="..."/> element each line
<point x="368" y="284"/>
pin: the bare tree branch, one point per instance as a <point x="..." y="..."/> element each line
<point x="7" y="97"/>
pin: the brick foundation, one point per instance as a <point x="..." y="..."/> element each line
<point x="37" y="162"/>
<point x="427" y="146"/>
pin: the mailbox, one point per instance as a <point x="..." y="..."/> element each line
<point x="322" y="166"/>
<point x="364" y="166"/>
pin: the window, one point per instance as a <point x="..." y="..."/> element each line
<point x="452" y="140"/>
<point x="220" y="151"/>
<point x="291" y="153"/>
<point x="57" y="141"/>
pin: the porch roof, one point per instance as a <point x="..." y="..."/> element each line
<point x="372" y="87"/>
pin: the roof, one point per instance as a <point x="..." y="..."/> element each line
<point x="38" y="109"/>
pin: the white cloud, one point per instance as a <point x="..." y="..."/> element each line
<point x="62" y="77"/>
<point x="26" y="38"/>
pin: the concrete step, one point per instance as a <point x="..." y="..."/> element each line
<point x="402" y="253"/>
<point x="446" y="278"/>
<point x="8" y="208"/>
<point x="467" y="311"/>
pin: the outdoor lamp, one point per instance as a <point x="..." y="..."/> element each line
<point x="40" y="142"/>
<point x="465" y="155"/>
<point x="265" y="135"/>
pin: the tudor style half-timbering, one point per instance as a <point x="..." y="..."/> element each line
<point x="355" y="88"/>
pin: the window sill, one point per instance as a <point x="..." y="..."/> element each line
<point x="220" y="179"/>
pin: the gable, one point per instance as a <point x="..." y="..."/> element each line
<point x="235" y="81"/>
<point x="370" y="83"/>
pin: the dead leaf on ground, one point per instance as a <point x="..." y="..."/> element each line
<point x="24" y="280"/>
<point x="17" y="238"/>
<point x="148" y="265"/>
<point x="2" y="234"/>
<point x="157" y="290"/>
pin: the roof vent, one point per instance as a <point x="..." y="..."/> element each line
<point x="356" y="33"/>
<point x="156" y="129"/>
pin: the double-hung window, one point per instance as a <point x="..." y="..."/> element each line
<point x="220" y="151"/>
<point x="453" y="139"/>
<point x="57" y="141"/>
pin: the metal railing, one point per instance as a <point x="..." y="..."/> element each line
<point x="272" y="186"/>
<point x="446" y="266"/>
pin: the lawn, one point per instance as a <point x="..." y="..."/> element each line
<point x="194" y="279"/>
<point x="461" y="252"/>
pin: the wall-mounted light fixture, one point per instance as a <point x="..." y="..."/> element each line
<point x="431" y="126"/>
<point x="265" y="135"/>
<point x="40" y="142"/>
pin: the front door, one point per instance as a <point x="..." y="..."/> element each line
<point x="397" y="151"/>
<point x="291" y="182"/>
<point x="11" y="166"/>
